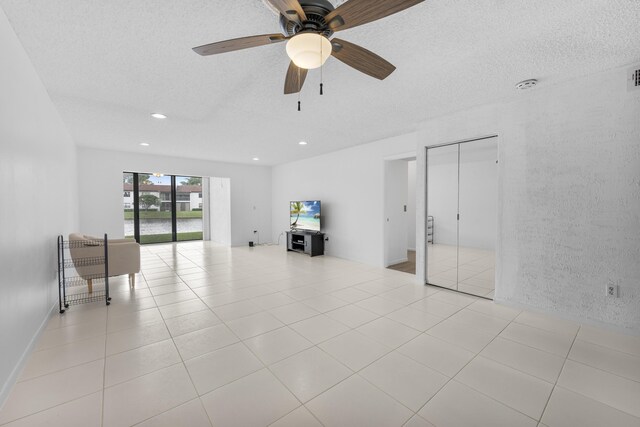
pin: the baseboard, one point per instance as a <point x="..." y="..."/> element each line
<point x="8" y="385"/>
<point x="572" y="318"/>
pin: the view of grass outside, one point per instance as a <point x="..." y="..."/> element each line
<point x="162" y="238"/>
<point x="163" y="214"/>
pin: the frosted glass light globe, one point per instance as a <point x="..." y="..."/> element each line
<point x="308" y="50"/>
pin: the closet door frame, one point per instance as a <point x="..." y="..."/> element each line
<point x="426" y="203"/>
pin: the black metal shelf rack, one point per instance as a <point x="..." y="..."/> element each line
<point x="83" y="267"/>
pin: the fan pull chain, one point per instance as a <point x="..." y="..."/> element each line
<point x="299" y="89"/>
<point x="321" y="68"/>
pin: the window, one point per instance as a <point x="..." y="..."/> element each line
<point x="161" y="210"/>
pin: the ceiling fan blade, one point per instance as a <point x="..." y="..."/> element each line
<point x="361" y="59"/>
<point x="290" y="8"/>
<point x="295" y="79"/>
<point x="357" y="12"/>
<point x="238" y="44"/>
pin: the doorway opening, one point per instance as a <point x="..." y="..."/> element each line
<point x="400" y="215"/>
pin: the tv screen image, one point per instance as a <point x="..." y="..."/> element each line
<point x="305" y="215"/>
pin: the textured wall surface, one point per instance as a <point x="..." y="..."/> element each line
<point x="38" y="201"/>
<point x="569" y="195"/>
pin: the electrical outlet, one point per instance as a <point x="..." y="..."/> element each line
<point x="255" y="231"/>
<point x="612" y="290"/>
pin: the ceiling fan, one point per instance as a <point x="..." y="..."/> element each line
<point x="307" y="26"/>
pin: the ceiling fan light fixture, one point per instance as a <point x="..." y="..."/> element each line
<point x="309" y="50"/>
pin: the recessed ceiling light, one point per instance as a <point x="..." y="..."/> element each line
<point x="255" y="159"/>
<point x="145" y="144"/>
<point x="302" y="143"/>
<point x="158" y="116"/>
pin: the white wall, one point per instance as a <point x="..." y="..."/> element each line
<point x="395" y="218"/>
<point x="220" y="210"/>
<point x="350" y="184"/>
<point x="411" y="205"/>
<point x="194" y="201"/>
<point x="38" y="197"/>
<point x="100" y="182"/>
<point x="568" y="195"/>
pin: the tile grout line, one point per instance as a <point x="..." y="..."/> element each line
<point x="49" y="408"/>
<point x="478" y="391"/>
<point x="603" y="370"/>
<point x="182" y="358"/>
<point x="159" y="369"/>
<point x="266" y="366"/>
<point x="555" y="384"/>
<point x="320" y="349"/>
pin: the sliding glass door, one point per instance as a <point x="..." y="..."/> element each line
<point x="155" y="208"/>
<point x="442" y="202"/>
<point x="477" y="227"/>
<point x="462" y="216"/>
<point x="189" y="207"/>
<point x="162" y="208"/>
<point x="128" y="203"/>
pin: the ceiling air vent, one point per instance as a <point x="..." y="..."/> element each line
<point x="526" y="84"/>
<point x="633" y="81"/>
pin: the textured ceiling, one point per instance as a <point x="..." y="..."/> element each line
<point x="108" y="64"/>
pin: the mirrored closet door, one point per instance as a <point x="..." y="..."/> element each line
<point x="462" y="189"/>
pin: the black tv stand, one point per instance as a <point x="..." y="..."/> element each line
<point x="307" y="242"/>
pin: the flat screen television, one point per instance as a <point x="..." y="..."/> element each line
<point x="305" y="215"/>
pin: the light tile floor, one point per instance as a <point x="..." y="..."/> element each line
<point x="466" y="269"/>
<point x="257" y="337"/>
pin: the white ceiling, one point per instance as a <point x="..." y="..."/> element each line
<point x="108" y="64"/>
